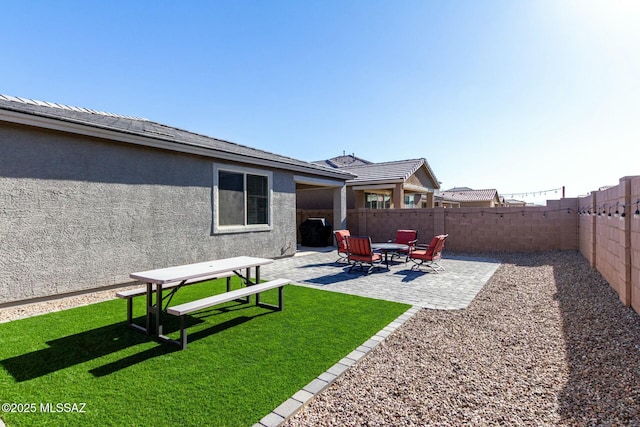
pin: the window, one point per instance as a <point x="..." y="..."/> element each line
<point x="409" y="201"/>
<point x="377" y="200"/>
<point x="257" y="199"/>
<point x="242" y="199"/>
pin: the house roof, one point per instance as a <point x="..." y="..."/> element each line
<point x="385" y="172"/>
<point x="145" y="132"/>
<point x="463" y="195"/>
<point x="459" y="189"/>
<point x="343" y="161"/>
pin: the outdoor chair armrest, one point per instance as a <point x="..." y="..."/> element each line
<point x="418" y="247"/>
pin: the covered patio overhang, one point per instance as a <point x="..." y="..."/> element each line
<point x="339" y="188"/>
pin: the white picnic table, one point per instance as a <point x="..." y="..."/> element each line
<point x="183" y="273"/>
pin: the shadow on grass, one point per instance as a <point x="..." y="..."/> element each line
<point x="164" y="348"/>
<point x="79" y="348"/>
<point x="72" y="350"/>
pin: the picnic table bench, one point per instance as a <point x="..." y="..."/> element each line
<point x="197" y="305"/>
<point x="178" y="276"/>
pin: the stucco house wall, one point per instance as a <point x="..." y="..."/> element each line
<point x="86" y="198"/>
<point x="79" y="213"/>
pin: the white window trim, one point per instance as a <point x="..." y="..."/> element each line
<point x="218" y="229"/>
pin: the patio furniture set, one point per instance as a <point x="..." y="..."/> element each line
<point x="361" y="252"/>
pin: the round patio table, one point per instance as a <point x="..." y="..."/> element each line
<point x="389" y="247"/>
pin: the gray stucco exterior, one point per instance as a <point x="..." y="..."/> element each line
<point x="79" y="212"/>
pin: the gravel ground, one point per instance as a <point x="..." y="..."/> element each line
<point x="36" y="308"/>
<point x="545" y="343"/>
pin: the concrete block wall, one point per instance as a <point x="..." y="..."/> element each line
<point x="611" y="240"/>
<point x="472" y="229"/>
<point x="513" y="229"/>
<point x="587" y="228"/>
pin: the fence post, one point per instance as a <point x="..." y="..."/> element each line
<point x="626" y="183"/>
<point x="439" y="220"/>
<point x="594" y="246"/>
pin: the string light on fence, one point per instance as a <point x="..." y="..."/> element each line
<point x="507" y="211"/>
<point x="534" y="193"/>
<point x="606" y="210"/>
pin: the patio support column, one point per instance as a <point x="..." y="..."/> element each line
<point x="398" y="197"/>
<point x="340" y="208"/>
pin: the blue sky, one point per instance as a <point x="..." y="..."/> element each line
<point x="518" y="95"/>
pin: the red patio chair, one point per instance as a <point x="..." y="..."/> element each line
<point x="341" y="242"/>
<point x="428" y="255"/>
<point x="405" y="237"/>
<point x="361" y="253"/>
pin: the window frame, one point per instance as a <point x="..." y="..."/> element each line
<point x="386" y="199"/>
<point x="409" y="200"/>
<point x="246" y="228"/>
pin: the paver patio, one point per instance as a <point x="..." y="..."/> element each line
<point x="451" y="289"/>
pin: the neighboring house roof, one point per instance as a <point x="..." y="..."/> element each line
<point x="443" y="198"/>
<point x="460" y="195"/>
<point x="145" y="132"/>
<point x="396" y="170"/>
<point x="385" y="172"/>
<point x="343" y="161"/>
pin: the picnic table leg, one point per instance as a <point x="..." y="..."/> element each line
<point x="149" y="307"/>
<point x="183" y="334"/>
<point x="158" y="309"/>
<point x="248" y="282"/>
<point x="278" y="307"/>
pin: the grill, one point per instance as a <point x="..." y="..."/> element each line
<point x="315" y="232"/>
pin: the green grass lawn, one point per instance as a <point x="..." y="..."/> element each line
<point x="242" y="361"/>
